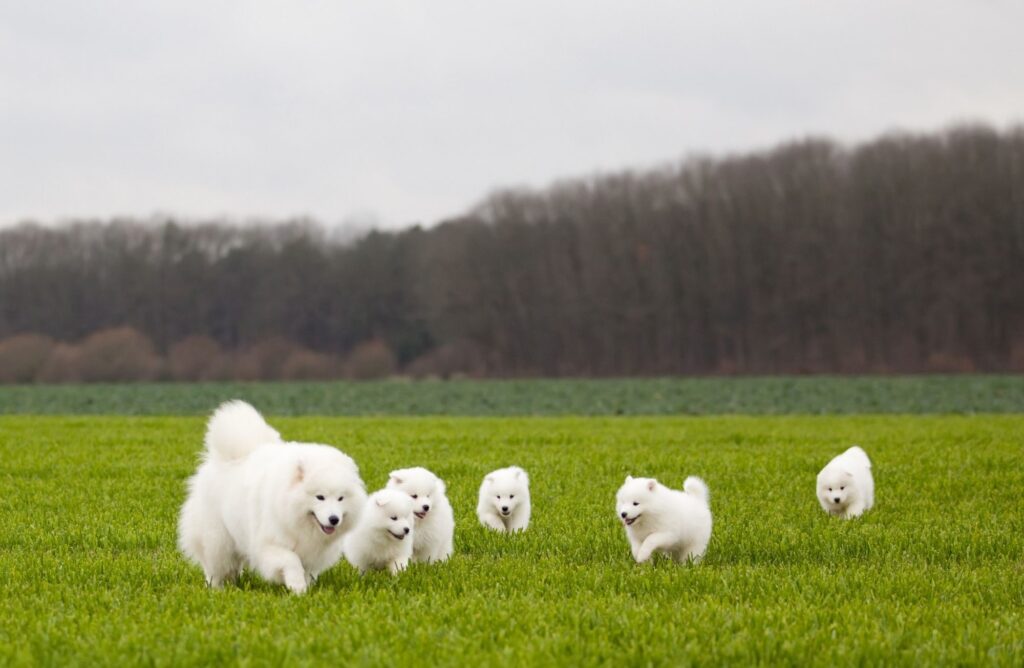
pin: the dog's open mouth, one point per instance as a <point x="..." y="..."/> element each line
<point x="326" y="528"/>
<point x="399" y="536"/>
<point x="506" y="513"/>
<point x="421" y="514"/>
<point x="629" y="520"/>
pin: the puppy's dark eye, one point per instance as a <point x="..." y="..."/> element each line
<point x="636" y="503"/>
<point x="499" y="496"/>
<point x="319" y="497"/>
<point x="394" y="518"/>
<point x="415" y="496"/>
<point x="841" y="488"/>
<point x="830" y="489"/>
<point x="341" y="498"/>
<point x="511" y="496"/>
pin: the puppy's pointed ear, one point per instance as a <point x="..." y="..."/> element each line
<point x="847" y="474"/>
<point x="519" y="473"/>
<point x="629" y="478"/>
<point x="651" y="484"/>
<point x="381" y="500"/>
<point x="489" y="478"/>
<point x="300" y="473"/>
<point x="395" y="479"/>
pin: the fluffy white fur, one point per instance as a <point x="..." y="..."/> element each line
<point x="845" y="486"/>
<point x="383" y="538"/>
<point x="259" y="502"/>
<point x="657" y="518"/>
<point x="434" y="525"/>
<point x="504" y="503"/>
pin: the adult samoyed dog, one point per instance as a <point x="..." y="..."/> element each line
<point x="504" y="503"/>
<point x="434" y="524"/>
<point x="845" y="486"/>
<point x="259" y="502"/>
<point x="383" y="538"/>
<point x="666" y="520"/>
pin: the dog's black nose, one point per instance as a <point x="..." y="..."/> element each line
<point x="504" y="509"/>
<point x="425" y="507"/>
<point x="333" y="519"/>
<point x="623" y="514"/>
<point x="406" y="530"/>
<point x="836" y="499"/>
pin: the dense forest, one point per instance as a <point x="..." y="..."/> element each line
<point x="903" y="254"/>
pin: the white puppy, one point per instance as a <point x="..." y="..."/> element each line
<point x="504" y="503"/>
<point x="435" y="523"/>
<point x="667" y="520"/>
<point x="383" y="539"/>
<point x="845" y="485"/>
<point x="257" y="501"/>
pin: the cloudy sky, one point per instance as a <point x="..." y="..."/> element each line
<point x="406" y="112"/>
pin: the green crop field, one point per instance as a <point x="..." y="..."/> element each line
<point x="809" y="395"/>
<point x="933" y="575"/>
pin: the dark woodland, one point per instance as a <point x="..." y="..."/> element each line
<point x="903" y="254"/>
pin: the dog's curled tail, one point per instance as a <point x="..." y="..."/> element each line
<point x="236" y="429"/>
<point x="858" y="455"/>
<point x="694" y="486"/>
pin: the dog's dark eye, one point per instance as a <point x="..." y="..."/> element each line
<point x="341" y="498"/>
<point x="830" y="489"/>
<point x="636" y="503"/>
<point x="394" y="518"/>
<point x="499" y="496"/>
<point x="415" y="496"/>
<point x="841" y="488"/>
<point x="511" y="496"/>
<point x="319" y="497"/>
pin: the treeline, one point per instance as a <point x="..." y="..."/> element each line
<point x="903" y="254"/>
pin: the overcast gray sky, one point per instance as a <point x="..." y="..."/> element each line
<point x="411" y="111"/>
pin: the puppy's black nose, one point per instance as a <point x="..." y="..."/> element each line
<point x="623" y="514"/>
<point x="836" y="499"/>
<point x="406" y="530"/>
<point x="333" y="519"/>
<point x="504" y="509"/>
<point x="426" y="507"/>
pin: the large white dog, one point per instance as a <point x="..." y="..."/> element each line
<point x="435" y="522"/>
<point x="384" y="537"/>
<point x="504" y="503"/>
<point x="279" y="508"/>
<point x="657" y="518"/>
<point x="845" y="486"/>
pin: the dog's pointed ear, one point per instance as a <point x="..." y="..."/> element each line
<point x="300" y="473"/>
<point x="519" y="473"/>
<point x="395" y="479"/>
<point x="629" y="478"/>
<point x="381" y="499"/>
<point x="489" y="478"/>
<point x="651" y="484"/>
<point x="848" y="475"/>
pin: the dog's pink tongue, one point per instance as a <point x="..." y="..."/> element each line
<point x="327" y="530"/>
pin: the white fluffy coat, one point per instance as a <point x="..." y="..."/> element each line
<point x="256" y="501"/>
<point x="845" y="486"/>
<point x="434" y="523"/>
<point x="659" y="519"/>
<point x="383" y="539"/>
<point x="504" y="503"/>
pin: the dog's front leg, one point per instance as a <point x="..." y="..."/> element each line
<point x="284" y="566"/>
<point x="493" y="521"/>
<point x="653" y="542"/>
<point x="398" y="566"/>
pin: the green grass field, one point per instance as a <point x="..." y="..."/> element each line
<point x="934" y="575"/>
<point x="808" y="395"/>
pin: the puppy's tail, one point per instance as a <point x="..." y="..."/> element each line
<point x="236" y="429"/>
<point x="858" y="455"/>
<point x="694" y="486"/>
